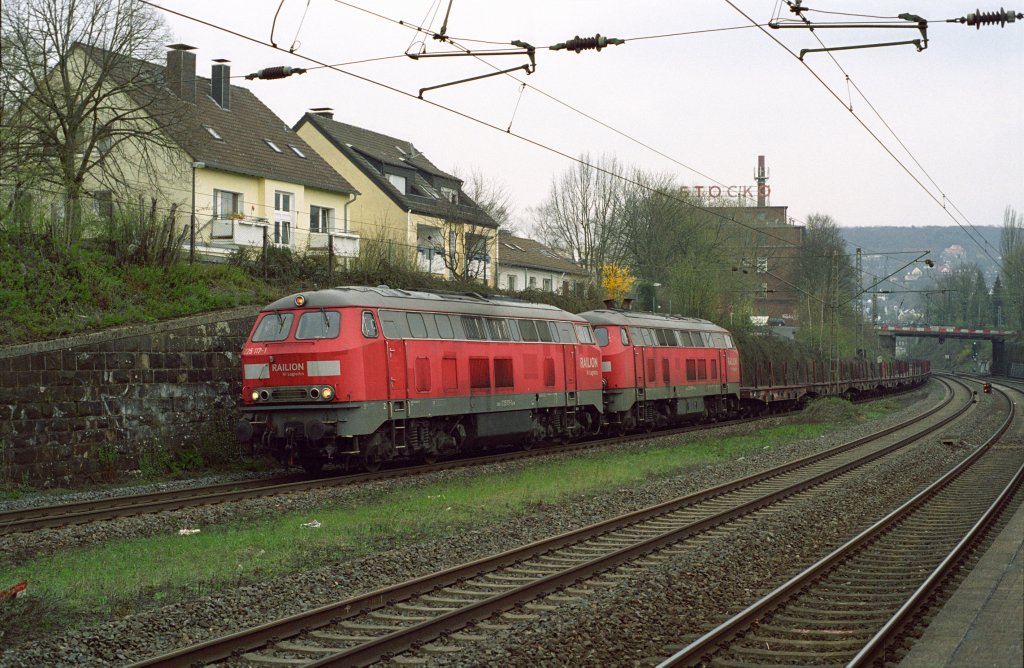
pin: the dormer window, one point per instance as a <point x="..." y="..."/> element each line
<point x="398" y="182"/>
<point x="273" y="146"/>
<point x="213" y="133"/>
<point x="296" y="151"/>
<point x="450" y="194"/>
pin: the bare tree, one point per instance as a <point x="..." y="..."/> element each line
<point x="79" y="93"/>
<point x="581" y="214"/>
<point x="490" y="194"/>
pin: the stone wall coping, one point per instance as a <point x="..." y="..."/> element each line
<point x="128" y="331"/>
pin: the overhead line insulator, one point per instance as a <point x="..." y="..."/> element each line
<point x="279" y="72"/>
<point x="577" y="43"/>
<point x="980" y="18"/>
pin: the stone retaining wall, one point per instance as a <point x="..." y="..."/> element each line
<point x="83" y="408"/>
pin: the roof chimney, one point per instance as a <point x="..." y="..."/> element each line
<point x="181" y="71"/>
<point x="761" y="177"/>
<point x="326" y="112"/>
<point x="220" y="83"/>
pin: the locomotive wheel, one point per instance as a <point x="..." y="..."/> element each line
<point x="371" y="463"/>
<point x="429" y="457"/>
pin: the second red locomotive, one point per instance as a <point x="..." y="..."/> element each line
<point x="660" y="370"/>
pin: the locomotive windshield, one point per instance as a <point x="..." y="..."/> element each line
<point x="274" y="327"/>
<point x="319" y="325"/>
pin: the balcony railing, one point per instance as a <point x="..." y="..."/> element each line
<point x="240" y="230"/>
<point x="340" y="244"/>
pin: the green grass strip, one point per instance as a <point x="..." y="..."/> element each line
<point x="115" y="575"/>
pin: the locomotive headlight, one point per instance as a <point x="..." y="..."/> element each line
<point x="254" y="395"/>
<point x="300" y="300"/>
<point x="327" y="393"/>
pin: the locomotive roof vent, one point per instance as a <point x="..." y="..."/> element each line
<point x="610" y="304"/>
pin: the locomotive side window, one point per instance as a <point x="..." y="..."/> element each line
<point x="584" y="335"/>
<point x="497" y="329"/>
<point x="728" y="341"/>
<point x="602" y="336"/>
<point x="318" y="325"/>
<point x="545" y="332"/>
<point x="474" y="328"/>
<point x="528" y="328"/>
<point x="274" y="327"/>
<point x="649" y="336"/>
<point x="634" y="333"/>
<point x="417" y="327"/>
<point x="624" y="336"/>
<point x="659" y="334"/>
<point x="513" y="329"/>
<point x="684" y="339"/>
<point x="444" y="326"/>
<point x="369" y="326"/>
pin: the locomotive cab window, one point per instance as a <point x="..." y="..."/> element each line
<point x="602" y="336"/>
<point x="565" y="334"/>
<point x="274" y="327"/>
<point x="318" y="325"/>
<point x="584" y="335"/>
<point x="624" y="336"/>
<point x="393" y="324"/>
<point x="369" y="325"/>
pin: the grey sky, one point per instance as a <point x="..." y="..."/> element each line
<point x="712" y="102"/>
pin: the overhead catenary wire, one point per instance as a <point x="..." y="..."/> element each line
<point x="866" y="128"/>
<point x="457" y="43"/>
<point x="851" y="83"/>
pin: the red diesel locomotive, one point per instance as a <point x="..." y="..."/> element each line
<point x="362" y="375"/>
<point x="660" y="370"/>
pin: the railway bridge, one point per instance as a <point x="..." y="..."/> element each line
<point x="887" y="338"/>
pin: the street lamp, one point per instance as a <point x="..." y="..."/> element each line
<point x="654" y="297"/>
<point x="197" y="164"/>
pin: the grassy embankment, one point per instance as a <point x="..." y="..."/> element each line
<point x="88" y="584"/>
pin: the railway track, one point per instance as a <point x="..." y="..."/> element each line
<point x="855" y="605"/>
<point x="428" y="615"/>
<point x="42" y="517"/>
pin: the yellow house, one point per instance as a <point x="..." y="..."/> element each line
<point x="406" y="200"/>
<point x="235" y="173"/>
<point x="254" y="180"/>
